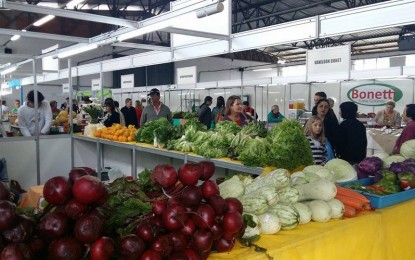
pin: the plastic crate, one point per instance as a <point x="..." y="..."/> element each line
<point x="383" y="201"/>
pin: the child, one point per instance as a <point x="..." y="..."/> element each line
<point x="314" y="130"/>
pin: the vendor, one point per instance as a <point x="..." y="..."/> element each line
<point x="16" y="106"/>
<point x="111" y="117"/>
<point x="388" y="116"/>
<point x="275" y="116"/>
<point x="27" y="115"/>
<point x="408" y="133"/>
<point x="233" y="111"/>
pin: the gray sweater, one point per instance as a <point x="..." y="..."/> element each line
<point x="149" y="114"/>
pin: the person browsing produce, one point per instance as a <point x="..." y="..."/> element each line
<point x="155" y="109"/>
<point x="352" y="142"/>
<point x="388" y="116"/>
<point x="408" y="133"/>
<point x="233" y="111"/>
<point x="331" y="125"/>
<point x="138" y="110"/>
<point x="129" y="113"/>
<point x="204" y="113"/>
<point x="111" y="117"/>
<point x="314" y="132"/>
<point x="27" y="115"/>
<point x="217" y="111"/>
<point x="275" y="116"/>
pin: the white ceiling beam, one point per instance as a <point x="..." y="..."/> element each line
<point x="141" y="46"/>
<point x="196" y="33"/>
<point x="46" y="36"/>
<point x="15" y="56"/>
<point x="67" y="13"/>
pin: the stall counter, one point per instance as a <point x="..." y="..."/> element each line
<point x="383" y="234"/>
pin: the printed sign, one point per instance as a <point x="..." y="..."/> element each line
<point x="186" y="75"/>
<point x="328" y="63"/>
<point x="96" y="84"/>
<point x="127" y="81"/>
<point x="374" y="94"/>
<point x="65" y="88"/>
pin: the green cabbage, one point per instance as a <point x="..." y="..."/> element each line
<point x="393" y="158"/>
<point x="408" y="149"/>
<point x="342" y="170"/>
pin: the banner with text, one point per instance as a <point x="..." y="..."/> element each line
<point x="186" y="75"/>
<point x="65" y="88"/>
<point x="329" y="64"/>
<point x="127" y="81"/>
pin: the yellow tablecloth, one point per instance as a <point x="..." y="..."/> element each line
<point x="384" y="234"/>
<point x="387" y="233"/>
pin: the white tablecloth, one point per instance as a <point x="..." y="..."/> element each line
<point x="380" y="141"/>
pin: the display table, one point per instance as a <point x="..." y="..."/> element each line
<point x="383" y="234"/>
<point x="379" y="141"/>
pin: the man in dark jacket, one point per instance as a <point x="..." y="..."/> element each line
<point x="353" y="141"/>
<point x="204" y="113"/>
<point x="129" y="113"/>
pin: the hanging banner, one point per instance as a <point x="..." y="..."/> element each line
<point x="96" y="84"/>
<point x="127" y="81"/>
<point x="329" y="63"/>
<point x="65" y="88"/>
<point x="186" y="75"/>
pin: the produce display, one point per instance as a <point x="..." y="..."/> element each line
<point x="167" y="213"/>
<point x="117" y="133"/>
<point x="285" y="146"/>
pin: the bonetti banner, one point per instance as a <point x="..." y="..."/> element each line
<point x="374" y="94"/>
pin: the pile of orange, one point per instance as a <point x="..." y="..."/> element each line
<point x="117" y="133"/>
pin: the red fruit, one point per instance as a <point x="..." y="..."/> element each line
<point x="223" y="245"/>
<point x="102" y="249"/>
<point x="189" y="173"/>
<point x="234" y="205"/>
<point x="192" y="254"/>
<point x="147" y="232"/>
<point x="191" y="196"/>
<point x="162" y="245"/>
<point x="150" y="254"/>
<point x="218" y="204"/>
<point x="53" y="225"/>
<point x="203" y="240"/>
<point x="57" y="190"/>
<point x="208" y="169"/>
<point x="88" y="228"/>
<point x="7" y="214"/>
<point x="76" y="173"/>
<point x="158" y="206"/>
<point x="16" y="251"/>
<point x="232" y="222"/>
<point x="89" y="189"/>
<point x="164" y="175"/>
<point x="74" y="209"/>
<point x="131" y="247"/>
<point x="209" y="188"/>
<point x="204" y="217"/>
<point x="65" y="248"/>
<point x="21" y="231"/>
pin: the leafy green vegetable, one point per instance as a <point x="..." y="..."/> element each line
<point x="255" y="152"/>
<point x="227" y="127"/>
<point x="289" y="146"/>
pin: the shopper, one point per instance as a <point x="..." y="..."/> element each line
<point x="217" y="111"/>
<point x="5" y="110"/>
<point x="249" y="110"/>
<point x="205" y="113"/>
<point x="111" y="115"/>
<point x="352" y="142"/>
<point x="117" y="109"/>
<point x="138" y="111"/>
<point x="408" y="133"/>
<point x="314" y="131"/>
<point x="64" y="105"/>
<point x="129" y="113"/>
<point x="317" y="96"/>
<point x="388" y="116"/>
<point x="16" y="106"/>
<point x="27" y="115"/>
<point x="275" y="116"/>
<point x="331" y="125"/>
<point x="155" y="109"/>
<point x="54" y="106"/>
<point x="233" y="111"/>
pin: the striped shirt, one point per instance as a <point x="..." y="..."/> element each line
<point x="319" y="151"/>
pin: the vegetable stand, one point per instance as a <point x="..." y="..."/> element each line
<point x="135" y="157"/>
<point x="381" y="234"/>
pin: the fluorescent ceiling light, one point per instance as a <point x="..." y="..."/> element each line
<point x="44" y="20"/>
<point x="144" y="30"/>
<point x="74" y="51"/>
<point x="9" y="70"/>
<point x="73" y="3"/>
<point x="15" y="37"/>
<point x="266" y="69"/>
